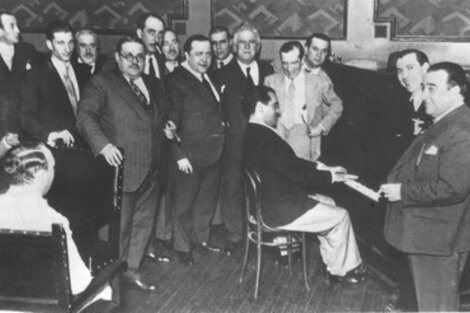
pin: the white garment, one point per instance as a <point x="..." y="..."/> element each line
<point x="254" y="70"/>
<point x="33" y="213"/>
<point x="151" y="58"/>
<point x="61" y="68"/>
<point x="7" y="52"/>
<point x="332" y="225"/>
<point x="299" y="102"/>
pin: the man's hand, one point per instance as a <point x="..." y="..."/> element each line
<point x="11" y="139"/>
<point x="314" y="131"/>
<point x="391" y="191"/>
<point x="112" y="155"/>
<point x="170" y="130"/>
<point x="341" y="176"/>
<point x="63" y="135"/>
<point x="185" y="166"/>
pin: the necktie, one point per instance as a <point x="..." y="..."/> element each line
<point x="221" y="64"/>
<point x="289" y="111"/>
<point x="207" y="85"/>
<point x="71" y="92"/>
<point x="249" y="79"/>
<point x="151" y="67"/>
<point x="140" y="95"/>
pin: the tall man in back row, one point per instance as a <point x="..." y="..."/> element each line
<point x="428" y="215"/>
<point x="244" y="71"/>
<point x="125" y="108"/>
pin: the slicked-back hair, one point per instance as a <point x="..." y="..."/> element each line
<point x="455" y="75"/>
<point x="420" y="55"/>
<point x="246" y="27"/>
<point x="57" y="26"/>
<point x="127" y="39"/>
<point x="321" y="36"/>
<point x="21" y="163"/>
<point x="188" y="45"/>
<point x="4" y="12"/>
<point x="86" y="31"/>
<point x="252" y="96"/>
<point x="140" y="23"/>
<point x="292" y="45"/>
<point x="219" y="29"/>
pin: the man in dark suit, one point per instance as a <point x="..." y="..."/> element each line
<point x="195" y="162"/>
<point x="16" y="58"/>
<point x="126" y="109"/>
<point x="221" y="43"/>
<point x="51" y="91"/>
<point x="286" y="180"/>
<point x="87" y="51"/>
<point x="242" y="72"/>
<point x="150" y="29"/>
<point x="428" y="190"/>
<point x="406" y="118"/>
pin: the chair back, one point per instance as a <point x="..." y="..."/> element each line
<point x="34" y="273"/>
<point x="88" y="192"/>
<point x="253" y="190"/>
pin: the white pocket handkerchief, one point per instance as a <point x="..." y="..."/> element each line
<point x="432" y="150"/>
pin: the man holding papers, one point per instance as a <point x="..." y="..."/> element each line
<point x="286" y="179"/>
<point x="429" y="193"/>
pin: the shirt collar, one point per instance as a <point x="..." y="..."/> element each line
<point x="189" y="68"/>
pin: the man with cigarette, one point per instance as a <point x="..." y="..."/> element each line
<point x="309" y="106"/>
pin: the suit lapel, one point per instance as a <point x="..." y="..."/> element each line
<point x="198" y="86"/>
<point x="310" y="95"/>
<point x="125" y="89"/>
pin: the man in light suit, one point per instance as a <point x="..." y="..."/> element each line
<point x="309" y="105"/>
<point x="428" y="190"/>
<point x="51" y="91"/>
<point x="123" y="108"/>
<point x="195" y="164"/>
<point x="286" y="181"/>
<point x="242" y="72"/>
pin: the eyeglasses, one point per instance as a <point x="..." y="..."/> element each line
<point x="140" y="58"/>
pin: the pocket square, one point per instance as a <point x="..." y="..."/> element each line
<point x="222" y="89"/>
<point x="432" y="150"/>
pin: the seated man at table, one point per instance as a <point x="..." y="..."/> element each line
<point x="286" y="180"/>
<point x="28" y="171"/>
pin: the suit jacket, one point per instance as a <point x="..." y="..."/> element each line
<point x="286" y="179"/>
<point x="198" y="119"/>
<point x="25" y="58"/>
<point x="45" y="105"/>
<point x="110" y="112"/>
<point x="323" y="106"/>
<point x="433" y="216"/>
<point x="233" y="81"/>
<point x="397" y="127"/>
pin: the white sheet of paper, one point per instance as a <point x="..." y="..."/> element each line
<point x="366" y="191"/>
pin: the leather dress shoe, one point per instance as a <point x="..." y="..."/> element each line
<point x="186" y="258"/>
<point x="158" y="257"/>
<point x="135" y="281"/>
<point x="209" y="247"/>
<point x="353" y="277"/>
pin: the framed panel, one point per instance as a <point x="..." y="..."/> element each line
<point x="103" y="16"/>
<point x="283" y="18"/>
<point x="425" y="20"/>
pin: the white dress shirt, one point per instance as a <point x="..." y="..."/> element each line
<point x="7" y="52"/>
<point x="61" y="68"/>
<point x="254" y="70"/>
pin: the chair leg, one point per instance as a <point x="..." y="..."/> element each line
<point x="304" y="261"/>
<point x="258" y="267"/>
<point x="245" y="258"/>
<point x="289" y="251"/>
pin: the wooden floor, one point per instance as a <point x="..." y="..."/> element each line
<point x="212" y="285"/>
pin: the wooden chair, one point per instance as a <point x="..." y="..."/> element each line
<point x="256" y="229"/>
<point x="34" y="273"/>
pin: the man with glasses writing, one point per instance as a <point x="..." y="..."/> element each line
<point x="126" y="108"/>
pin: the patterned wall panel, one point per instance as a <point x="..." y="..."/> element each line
<point x="105" y="16"/>
<point x="437" y="20"/>
<point x="284" y="18"/>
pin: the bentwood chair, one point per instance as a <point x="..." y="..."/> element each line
<point x="257" y="232"/>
